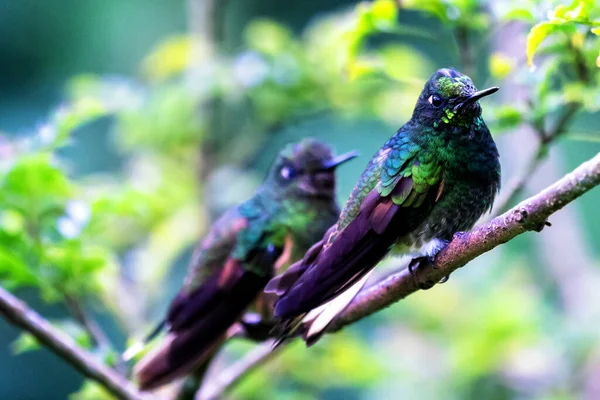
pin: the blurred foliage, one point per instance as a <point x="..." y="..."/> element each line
<point x="109" y="239"/>
<point x="565" y="19"/>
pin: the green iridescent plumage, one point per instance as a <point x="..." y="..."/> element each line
<point x="241" y="252"/>
<point x="436" y="176"/>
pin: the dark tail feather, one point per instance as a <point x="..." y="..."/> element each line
<point x="158" y="369"/>
<point x="287" y="329"/>
<point x="185" y="349"/>
<point x="312" y="325"/>
<point x="315" y="324"/>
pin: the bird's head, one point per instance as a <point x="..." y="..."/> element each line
<point x="449" y="99"/>
<point x="307" y="168"/>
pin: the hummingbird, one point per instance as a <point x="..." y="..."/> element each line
<point x="433" y="178"/>
<point x="242" y="250"/>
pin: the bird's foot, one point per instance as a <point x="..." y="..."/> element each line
<point x="421" y="263"/>
<point x="255" y="327"/>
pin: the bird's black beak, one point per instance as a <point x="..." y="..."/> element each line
<point x="339" y="160"/>
<point x="482" y="93"/>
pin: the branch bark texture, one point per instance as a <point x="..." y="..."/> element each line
<point x="20" y="315"/>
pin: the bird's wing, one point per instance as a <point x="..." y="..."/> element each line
<point x="235" y="245"/>
<point x="207" y="262"/>
<point x="194" y="335"/>
<point x="210" y="255"/>
<point x="200" y="314"/>
<point x="400" y="186"/>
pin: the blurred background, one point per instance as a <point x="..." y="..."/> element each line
<point x="126" y="127"/>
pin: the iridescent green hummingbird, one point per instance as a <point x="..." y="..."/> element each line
<point x="436" y="176"/>
<point x="243" y="249"/>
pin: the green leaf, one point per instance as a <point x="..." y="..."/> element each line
<point x="508" y="117"/>
<point x="536" y="36"/>
<point x="268" y="37"/>
<point x="14" y="271"/>
<point x="578" y="10"/>
<point x="173" y="56"/>
<point x="563" y="18"/>
<point x="437" y="8"/>
<point x="384" y="14"/>
<point x="76" y="268"/>
<point x="167" y="122"/>
<point x="35" y="186"/>
<point x="12" y="222"/>
<point x="519" y="14"/>
<point x="112" y="357"/>
<point x="25" y="343"/>
<point x="91" y="390"/>
<point x="69" y="118"/>
<point x="501" y="65"/>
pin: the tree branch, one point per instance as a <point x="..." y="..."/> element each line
<point x="17" y="313"/>
<point x="529" y="215"/>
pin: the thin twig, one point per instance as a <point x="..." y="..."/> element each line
<point x="17" y="313"/>
<point x="93" y="330"/>
<point x="89" y="325"/>
<point x="461" y="35"/>
<point x="516" y="186"/>
<point x="259" y="355"/>
<point x="562" y="123"/>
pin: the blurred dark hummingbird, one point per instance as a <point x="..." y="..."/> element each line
<point x="242" y="250"/>
<point x="436" y="176"/>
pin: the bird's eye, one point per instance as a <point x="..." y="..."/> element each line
<point x="288" y="172"/>
<point x="435" y="100"/>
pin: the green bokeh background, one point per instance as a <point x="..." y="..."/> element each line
<point x="516" y="323"/>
